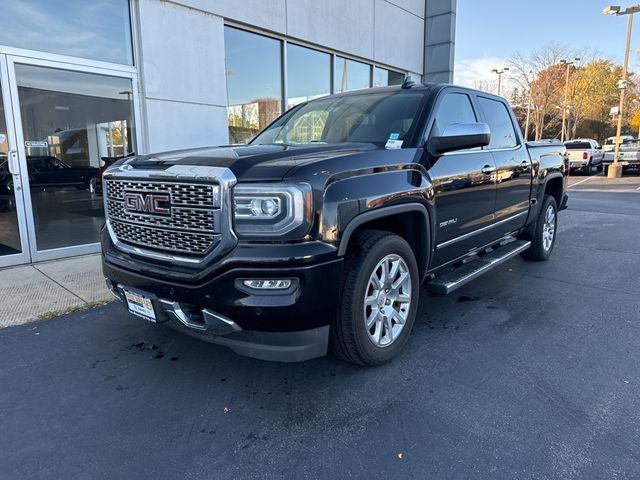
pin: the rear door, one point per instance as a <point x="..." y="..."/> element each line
<point x="513" y="166"/>
<point x="464" y="183"/>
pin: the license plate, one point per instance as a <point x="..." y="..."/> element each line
<point x="140" y="305"/>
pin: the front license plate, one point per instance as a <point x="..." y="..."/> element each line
<point x="140" y="305"/>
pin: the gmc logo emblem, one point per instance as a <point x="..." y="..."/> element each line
<point x="147" y="203"/>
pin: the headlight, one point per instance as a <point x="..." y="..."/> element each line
<point x="272" y="210"/>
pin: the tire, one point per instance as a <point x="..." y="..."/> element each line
<point x="351" y="340"/>
<point x="605" y="170"/>
<point x="541" y="244"/>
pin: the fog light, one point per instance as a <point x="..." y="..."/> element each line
<point x="268" y="284"/>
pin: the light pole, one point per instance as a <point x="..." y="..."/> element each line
<point x="526" y="124"/>
<point x="568" y="63"/>
<point x="499" y="72"/>
<point x="615" y="169"/>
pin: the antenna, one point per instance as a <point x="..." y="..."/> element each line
<point x="408" y="82"/>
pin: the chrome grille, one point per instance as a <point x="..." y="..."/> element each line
<point x="196" y="194"/>
<point x="169" y="240"/>
<point x="200" y="220"/>
<point x="192" y="228"/>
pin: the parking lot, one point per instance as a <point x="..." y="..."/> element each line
<point x="532" y="371"/>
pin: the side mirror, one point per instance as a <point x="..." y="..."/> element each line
<point x="460" y="136"/>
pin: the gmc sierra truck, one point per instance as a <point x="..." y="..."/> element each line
<point x="320" y="231"/>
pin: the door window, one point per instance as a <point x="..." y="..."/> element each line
<point x="503" y="135"/>
<point x="454" y="108"/>
<point x="70" y="122"/>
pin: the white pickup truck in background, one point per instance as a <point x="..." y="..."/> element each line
<point x="629" y="156"/>
<point x="585" y="154"/>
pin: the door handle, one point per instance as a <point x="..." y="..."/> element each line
<point x="13" y="162"/>
<point x="488" y="169"/>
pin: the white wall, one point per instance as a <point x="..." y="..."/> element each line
<point x="181" y="52"/>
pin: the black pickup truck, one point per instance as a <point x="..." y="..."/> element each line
<point x="322" y="229"/>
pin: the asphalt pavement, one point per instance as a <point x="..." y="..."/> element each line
<point x="532" y="371"/>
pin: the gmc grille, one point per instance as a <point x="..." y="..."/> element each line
<point x="192" y="228"/>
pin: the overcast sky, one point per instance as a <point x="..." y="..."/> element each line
<point x="488" y="32"/>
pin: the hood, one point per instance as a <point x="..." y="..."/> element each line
<point x="250" y="162"/>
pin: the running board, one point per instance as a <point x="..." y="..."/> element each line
<point x="469" y="271"/>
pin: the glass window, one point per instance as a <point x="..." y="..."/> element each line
<point x="454" y="108"/>
<point x="96" y="29"/>
<point x="73" y="125"/>
<point x="368" y="118"/>
<point x="383" y="77"/>
<point x="308" y="74"/>
<point x="351" y="75"/>
<point x="497" y="116"/>
<point x="254" y="82"/>
<point x="577" y="145"/>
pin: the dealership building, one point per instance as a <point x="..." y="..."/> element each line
<point x="84" y="82"/>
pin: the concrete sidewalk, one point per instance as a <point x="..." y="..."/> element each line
<point x="31" y="292"/>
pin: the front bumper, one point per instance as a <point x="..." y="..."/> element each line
<point x="288" y="325"/>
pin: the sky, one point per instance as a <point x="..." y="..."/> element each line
<point x="488" y="32"/>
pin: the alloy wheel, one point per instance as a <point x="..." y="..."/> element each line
<point x="387" y="300"/>
<point x="549" y="228"/>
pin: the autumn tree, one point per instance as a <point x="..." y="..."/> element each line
<point x="593" y="90"/>
<point x="540" y="75"/>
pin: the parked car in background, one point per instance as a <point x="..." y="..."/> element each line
<point x="629" y="156"/>
<point x="307" y="238"/>
<point x="609" y="144"/>
<point x="95" y="186"/>
<point x="585" y="154"/>
<point x="48" y="171"/>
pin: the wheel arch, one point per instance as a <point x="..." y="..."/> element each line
<point x="554" y="186"/>
<point x="410" y="221"/>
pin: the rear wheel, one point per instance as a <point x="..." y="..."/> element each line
<point x="544" y="236"/>
<point x="380" y="290"/>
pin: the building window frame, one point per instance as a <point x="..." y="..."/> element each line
<point x="285" y="40"/>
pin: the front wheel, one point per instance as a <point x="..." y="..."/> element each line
<point x="544" y="236"/>
<point x="380" y="291"/>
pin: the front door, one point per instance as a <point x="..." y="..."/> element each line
<point x="14" y="245"/>
<point x="464" y="182"/>
<point x="59" y="121"/>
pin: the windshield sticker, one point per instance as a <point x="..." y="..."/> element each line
<point x="393" y="142"/>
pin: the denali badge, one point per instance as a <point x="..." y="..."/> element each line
<point x="147" y="203"/>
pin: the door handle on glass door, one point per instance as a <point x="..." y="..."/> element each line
<point x="13" y="162"/>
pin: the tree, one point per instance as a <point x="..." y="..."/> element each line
<point x="541" y="75"/>
<point x="594" y="91"/>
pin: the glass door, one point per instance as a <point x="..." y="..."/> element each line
<point x="70" y="125"/>
<point x="14" y="247"/>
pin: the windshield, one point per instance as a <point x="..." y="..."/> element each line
<point x="367" y="118"/>
<point x="577" y="145"/>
